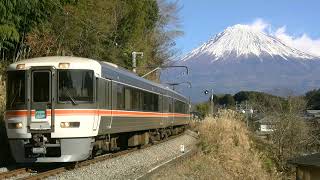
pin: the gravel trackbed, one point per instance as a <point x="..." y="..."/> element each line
<point x="136" y="164"/>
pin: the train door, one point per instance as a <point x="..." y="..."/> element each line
<point x="41" y="82"/>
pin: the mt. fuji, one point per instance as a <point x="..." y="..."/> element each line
<point x="244" y="58"/>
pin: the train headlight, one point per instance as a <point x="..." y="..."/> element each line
<point x="21" y="66"/>
<point x="69" y="124"/>
<point x="64" y="124"/>
<point x="18" y="125"/>
<point x="64" y="65"/>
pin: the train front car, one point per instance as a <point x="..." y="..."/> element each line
<point x="51" y="110"/>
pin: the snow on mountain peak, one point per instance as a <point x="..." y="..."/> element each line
<point x="244" y="40"/>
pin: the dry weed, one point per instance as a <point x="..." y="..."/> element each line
<point x="226" y="152"/>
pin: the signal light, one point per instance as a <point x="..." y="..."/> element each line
<point x="206" y="92"/>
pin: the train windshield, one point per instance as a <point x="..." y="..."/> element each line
<point x="75" y="86"/>
<point x="16" y="88"/>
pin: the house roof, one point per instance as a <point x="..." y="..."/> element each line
<point x="308" y="160"/>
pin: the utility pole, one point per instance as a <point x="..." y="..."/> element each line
<point x="134" y="60"/>
<point x="211" y="101"/>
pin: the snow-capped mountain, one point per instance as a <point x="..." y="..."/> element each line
<point x="244" y="58"/>
<point x="243" y="40"/>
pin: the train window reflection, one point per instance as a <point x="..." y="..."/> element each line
<point x="16" y="88"/>
<point x="75" y="85"/>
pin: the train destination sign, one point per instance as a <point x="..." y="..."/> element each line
<point x="40" y="114"/>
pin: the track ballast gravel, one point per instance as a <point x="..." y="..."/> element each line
<point x="135" y="164"/>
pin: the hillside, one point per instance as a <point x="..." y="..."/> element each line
<point x="226" y="151"/>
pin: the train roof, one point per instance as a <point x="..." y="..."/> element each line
<point x="102" y="69"/>
<point x="74" y="63"/>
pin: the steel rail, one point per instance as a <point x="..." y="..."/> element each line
<point x="13" y="173"/>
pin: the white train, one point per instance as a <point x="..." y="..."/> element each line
<point x="66" y="109"/>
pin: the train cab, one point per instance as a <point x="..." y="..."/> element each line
<point x="50" y="107"/>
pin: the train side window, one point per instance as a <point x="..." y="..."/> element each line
<point x="128" y="99"/>
<point x="170" y="105"/>
<point x="142" y="100"/>
<point x="160" y="103"/>
<point x="120" y="96"/>
<point x="101" y="98"/>
<point x="179" y="106"/>
<point x="135" y="101"/>
<point x="108" y="94"/>
<point x="146" y="101"/>
<point x="165" y="104"/>
<point x="176" y="106"/>
<point x="155" y="102"/>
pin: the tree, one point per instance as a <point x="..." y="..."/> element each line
<point x="18" y="17"/>
<point x="292" y="135"/>
<point x="290" y="138"/>
<point x="260" y="101"/>
<point x="313" y="99"/>
<point x="241" y="96"/>
<point x="105" y="30"/>
<point x="98" y="29"/>
<point x="227" y="100"/>
<point x="203" y="109"/>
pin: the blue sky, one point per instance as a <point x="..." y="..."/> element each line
<point x="297" y="22"/>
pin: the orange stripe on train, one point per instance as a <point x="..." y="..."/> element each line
<point x="90" y="112"/>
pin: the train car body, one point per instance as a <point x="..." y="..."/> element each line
<point x="59" y="109"/>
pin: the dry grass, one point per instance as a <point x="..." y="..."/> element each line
<point x="226" y="152"/>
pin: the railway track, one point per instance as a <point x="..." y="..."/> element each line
<point x="13" y="173"/>
<point x="67" y="167"/>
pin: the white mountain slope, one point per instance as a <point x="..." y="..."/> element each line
<point x="243" y="40"/>
<point x="242" y="58"/>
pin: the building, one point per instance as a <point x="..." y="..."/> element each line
<point x="313" y="113"/>
<point x="266" y="125"/>
<point x="307" y="167"/>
